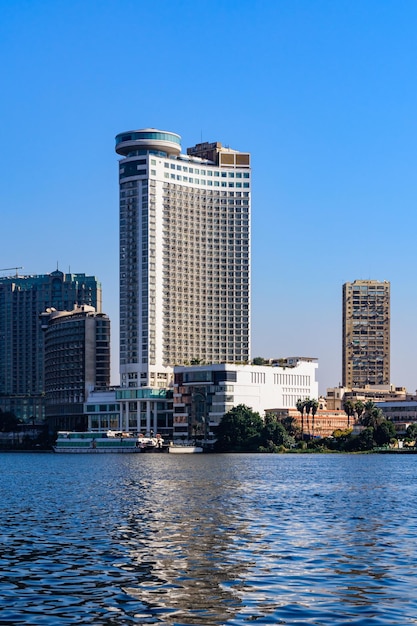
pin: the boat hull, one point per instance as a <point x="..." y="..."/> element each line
<point x="106" y="443"/>
<point x="185" y="449"/>
<point x="96" y="450"/>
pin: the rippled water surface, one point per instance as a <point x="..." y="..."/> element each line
<point x="208" y="539"/>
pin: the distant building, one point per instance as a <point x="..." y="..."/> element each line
<point x="77" y="362"/>
<point x="204" y="393"/>
<point x="324" y="424"/>
<point x="366" y="333"/>
<point x="337" y="396"/>
<point x="402" y="414"/>
<point x="22" y="300"/>
<point x="184" y="257"/>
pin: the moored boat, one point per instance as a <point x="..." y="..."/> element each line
<point x="105" y="442"/>
<point x="184" y="449"/>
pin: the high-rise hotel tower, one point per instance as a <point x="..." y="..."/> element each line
<point x="366" y="333"/>
<point x="184" y="255"/>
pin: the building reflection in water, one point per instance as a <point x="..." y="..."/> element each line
<point x="183" y="537"/>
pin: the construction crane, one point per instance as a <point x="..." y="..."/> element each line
<point x="6" y="269"/>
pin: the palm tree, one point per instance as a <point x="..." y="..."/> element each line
<point x="349" y="409"/>
<point x="307" y="404"/>
<point x="359" y="409"/>
<point x="300" y="408"/>
<point x="373" y="416"/>
<point x="314" y="409"/>
<point x="368" y="407"/>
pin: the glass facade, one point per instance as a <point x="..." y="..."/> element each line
<point x="153" y="135"/>
<point x="22" y="300"/>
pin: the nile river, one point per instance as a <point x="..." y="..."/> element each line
<point x="208" y="539"/>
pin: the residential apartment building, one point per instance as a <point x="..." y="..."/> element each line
<point x="77" y="362"/>
<point x="366" y="333"/>
<point x="204" y="393"/>
<point x="22" y="300"/>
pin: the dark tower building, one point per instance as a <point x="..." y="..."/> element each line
<point x="77" y="361"/>
<point x="22" y="300"/>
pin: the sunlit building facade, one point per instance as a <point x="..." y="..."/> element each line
<point x="184" y="256"/>
<point x="366" y="333"/>
<point x="204" y="393"/>
<point x="184" y="265"/>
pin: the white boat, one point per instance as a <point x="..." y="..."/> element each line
<point x="105" y="442"/>
<point x="184" y="449"/>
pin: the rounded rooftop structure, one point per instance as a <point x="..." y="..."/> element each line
<point x="148" y="139"/>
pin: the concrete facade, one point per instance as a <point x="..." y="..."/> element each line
<point x="324" y="424"/>
<point x="337" y="396"/>
<point x="366" y="333"/>
<point x="204" y="393"/>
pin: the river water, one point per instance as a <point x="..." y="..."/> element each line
<point x="208" y="539"/>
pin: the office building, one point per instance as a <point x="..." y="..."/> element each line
<point x="22" y="300"/>
<point x="77" y="362"/>
<point x="366" y="333"/>
<point x="204" y="393"/>
<point x="184" y="257"/>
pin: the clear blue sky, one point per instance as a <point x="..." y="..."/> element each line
<point x="323" y="93"/>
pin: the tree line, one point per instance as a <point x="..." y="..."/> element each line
<point x="244" y="430"/>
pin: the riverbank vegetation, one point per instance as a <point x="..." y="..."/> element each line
<point x="243" y="430"/>
<point x="20" y="436"/>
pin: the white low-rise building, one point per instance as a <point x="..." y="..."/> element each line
<point x="204" y="393"/>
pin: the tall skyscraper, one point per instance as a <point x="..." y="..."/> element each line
<point x="366" y="333"/>
<point x="184" y="256"/>
<point x="77" y="361"/>
<point x="22" y="300"/>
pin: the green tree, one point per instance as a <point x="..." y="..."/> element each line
<point x="365" y="439"/>
<point x="412" y="431"/>
<point x="384" y="432"/>
<point x="258" y="360"/>
<point x="359" y="409"/>
<point x="300" y="408"/>
<point x="8" y="421"/>
<point x="372" y="416"/>
<point x="314" y="409"/>
<point x="274" y="433"/>
<point x="240" y="429"/>
<point x="291" y="426"/>
<point x="307" y="405"/>
<point x="349" y="409"/>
